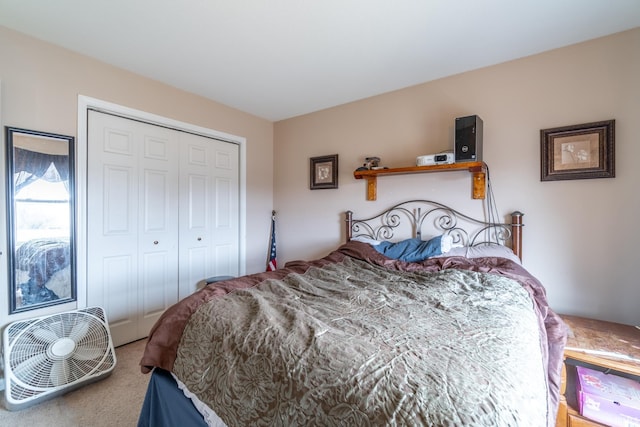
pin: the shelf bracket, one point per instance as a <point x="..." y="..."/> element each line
<point x="479" y="183"/>
<point x="372" y="188"/>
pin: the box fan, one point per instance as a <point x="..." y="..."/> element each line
<point x="51" y="355"/>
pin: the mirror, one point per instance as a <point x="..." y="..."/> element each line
<point x="41" y="219"/>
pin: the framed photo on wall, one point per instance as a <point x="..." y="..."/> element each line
<point x="578" y="151"/>
<point x="323" y="172"/>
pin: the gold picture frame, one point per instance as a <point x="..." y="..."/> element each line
<point x="323" y="172"/>
<point x="578" y="151"/>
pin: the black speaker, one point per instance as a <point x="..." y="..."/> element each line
<point x="468" y="139"/>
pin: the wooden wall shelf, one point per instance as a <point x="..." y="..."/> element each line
<point x="478" y="169"/>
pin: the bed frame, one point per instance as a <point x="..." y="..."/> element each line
<point x="425" y="217"/>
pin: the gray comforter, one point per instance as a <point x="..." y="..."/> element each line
<point x="357" y="339"/>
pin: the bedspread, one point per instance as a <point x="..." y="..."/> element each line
<point x="358" y="339"/>
<point x="42" y="258"/>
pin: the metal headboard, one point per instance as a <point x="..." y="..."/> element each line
<point x="417" y="218"/>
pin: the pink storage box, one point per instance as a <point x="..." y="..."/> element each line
<point x="608" y="399"/>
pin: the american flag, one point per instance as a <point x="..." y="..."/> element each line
<point x="271" y="262"/>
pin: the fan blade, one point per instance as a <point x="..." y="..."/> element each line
<point x="88" y="353"/>
<point x="57" y="327"/>
<point x="30" y="344"/>
<point x="79" y="331"/>
<point x="59" y="373"/>
<point x="28" y="367"/>
<point x="45" y="335"/>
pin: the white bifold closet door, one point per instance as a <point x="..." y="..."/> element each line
<point x="162" y="214"/>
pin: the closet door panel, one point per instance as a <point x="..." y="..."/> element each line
<point x="226" y="228"/>
<point x="195" y="267"/>
<point x="112" y="222"/>
<point x="225" y="259"/>
<point x="196" y="241"/>
<point x="198" y="194"/>
<point x="118" y="296"/>
<point x="158" y="233"/>
<point x="116" y="204"/>
<point x="154" y="297"/>
<point x="116" y="293"/>
<point x="196" y="256"/>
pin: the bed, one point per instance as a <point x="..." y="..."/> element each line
<point x="371" y="334"/>
<point x="43" y="271"/>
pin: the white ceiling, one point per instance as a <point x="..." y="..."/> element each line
<point x="282" y="58"/>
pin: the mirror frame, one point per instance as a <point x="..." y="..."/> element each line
<point x="10" y="133"/>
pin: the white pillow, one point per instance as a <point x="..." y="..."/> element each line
<point x="483" y="251"/>
<point x="368" y="240"/>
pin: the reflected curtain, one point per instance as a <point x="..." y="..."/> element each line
<point x="31" y="165"/>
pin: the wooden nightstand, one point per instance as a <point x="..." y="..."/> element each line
<point x="588" y="340"/>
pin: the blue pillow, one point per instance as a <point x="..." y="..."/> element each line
<point x="411" y="250"/>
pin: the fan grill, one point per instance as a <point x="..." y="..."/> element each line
<point x="57" y="351"/>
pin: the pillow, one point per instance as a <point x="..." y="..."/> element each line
<point x="414" y="250"/>
<point x="482" y="251"/>
<point x="368" y="240"/>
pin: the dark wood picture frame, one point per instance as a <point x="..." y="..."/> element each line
<point x="578" y="152"/>
<point x="323" y="172"/>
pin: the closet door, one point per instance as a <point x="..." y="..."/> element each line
<point x="132" y="219"/>
<point x="226" y="209"/>
<point x="209" y="210"/>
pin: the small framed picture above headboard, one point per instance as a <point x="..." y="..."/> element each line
<point x="323" y="172"/>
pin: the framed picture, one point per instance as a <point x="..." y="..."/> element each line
<point x="578" y="151"/>
<point x="324" y="172"/>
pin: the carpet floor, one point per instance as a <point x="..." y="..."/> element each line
<point x="113" y="401"/>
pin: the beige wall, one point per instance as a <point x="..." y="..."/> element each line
<point x="40" y="84"/>
<point x="580" y="235"/>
